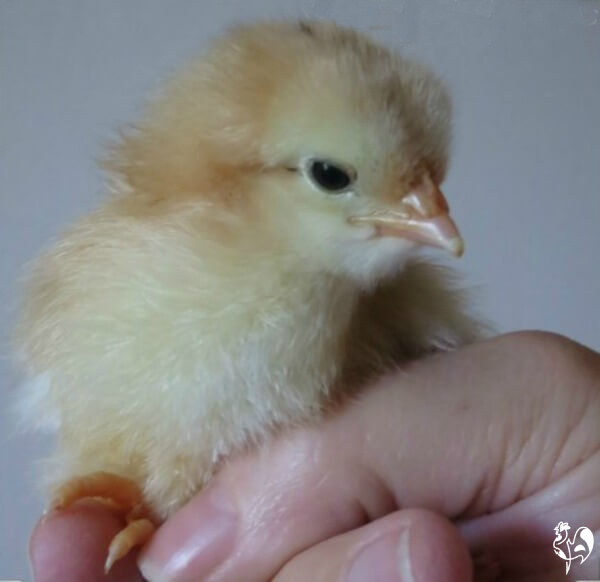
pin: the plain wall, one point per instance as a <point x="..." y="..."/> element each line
<point x="524" y="184"/>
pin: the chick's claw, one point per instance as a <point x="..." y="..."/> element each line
<point x="136" y="533"/>
<point x="120" y="495"/>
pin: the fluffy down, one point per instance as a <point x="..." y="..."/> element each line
<point x="216" y="296"/>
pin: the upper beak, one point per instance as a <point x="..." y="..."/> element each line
<point x="422" y="216"/>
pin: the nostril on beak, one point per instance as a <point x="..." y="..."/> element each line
<point x="427" y="199"/>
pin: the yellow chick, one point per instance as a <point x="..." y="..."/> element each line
<point x="255" y="260"/>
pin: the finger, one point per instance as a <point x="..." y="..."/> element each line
<point x="405" y="546"/>
<point x="71" y="545"/>
<point x="463" y="434"/>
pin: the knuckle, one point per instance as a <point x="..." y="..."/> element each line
<point x="563" y="400"/>
<point x="551" y="352"/>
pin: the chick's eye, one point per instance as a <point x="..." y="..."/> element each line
<point x="329" y="176"/>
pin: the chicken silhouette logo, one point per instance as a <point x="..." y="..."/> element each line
<point x="580" y="546"/>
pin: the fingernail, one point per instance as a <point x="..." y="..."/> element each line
<point x="193" y="541"/>
<point x="387" y="558"/>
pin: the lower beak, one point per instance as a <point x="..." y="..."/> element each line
<point x="422" y="217"/>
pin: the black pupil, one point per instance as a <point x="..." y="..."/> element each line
<point x="329" y="177"/>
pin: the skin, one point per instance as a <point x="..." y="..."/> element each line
<point x="495" y="443"/>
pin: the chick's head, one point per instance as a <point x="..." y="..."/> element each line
<point x="310" y="132"/>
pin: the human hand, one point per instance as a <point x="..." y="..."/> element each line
<point x="502" y="438"/>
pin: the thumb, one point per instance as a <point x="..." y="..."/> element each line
<point x="412" y="545"/>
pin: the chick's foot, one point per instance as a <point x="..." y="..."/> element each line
<point x="123" y="497"/>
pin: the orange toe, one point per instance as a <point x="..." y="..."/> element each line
<point x="122" y="496"/>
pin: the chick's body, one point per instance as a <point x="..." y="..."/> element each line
<point x="220" y="293"/>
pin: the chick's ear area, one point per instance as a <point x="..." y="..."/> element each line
<point x="212" y="114"/>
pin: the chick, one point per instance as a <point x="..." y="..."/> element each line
<point x="254" y="261"/>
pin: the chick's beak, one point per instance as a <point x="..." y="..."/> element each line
<point x="421" y="216"/>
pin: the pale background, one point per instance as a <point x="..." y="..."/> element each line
<point x="524" y="185"/>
